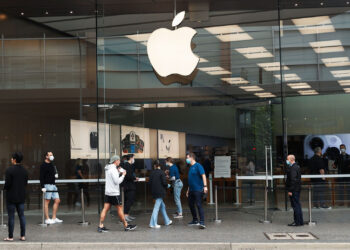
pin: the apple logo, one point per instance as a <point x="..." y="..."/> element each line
<point x="170" y="52"/>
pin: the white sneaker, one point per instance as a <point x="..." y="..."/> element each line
<point x="57" y="220"/>
<point x="170" y="222"/>
<point x="49" y="221"/>
<point x="156" y="226"/>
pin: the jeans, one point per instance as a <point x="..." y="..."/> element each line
<point x="298" y="213"/>
<point x="195" y="199"/>
<point x="11" y="207"/>
<point x="129" y="200"/>
<point x="159" y="204"/>
<point x="319" y="193"/>
<point x="177" y="195"/>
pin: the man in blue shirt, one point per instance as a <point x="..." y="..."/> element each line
<point x="174" y="176"/>
<point x="197" y="186"/>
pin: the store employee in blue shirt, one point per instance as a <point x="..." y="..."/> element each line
<point x="197" y="186"/>
<point x="174" y="176"/>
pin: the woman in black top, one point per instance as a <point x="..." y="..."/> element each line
<point x="158" y="185"/>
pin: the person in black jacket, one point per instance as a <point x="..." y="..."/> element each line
<point x="129" y="186"/>
<point x="343" y="164"/>
<point x="293" y="186"/>
<point x="158" y="185"/>
<point x="15" y="185"/>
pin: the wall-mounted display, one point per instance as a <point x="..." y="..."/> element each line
<point x="84" y="140"/>
<point x="168" y="144"/>
<point x="135" y="140"/>
<point x="222" y="167"/>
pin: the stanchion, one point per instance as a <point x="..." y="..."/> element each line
<point x="2" y="210"/>
<point x="265" y="220"/>
<point x="237" y="191"/>
<point x="310" y="223"/>
<point x="211" y="189"/>
<point x="216" y="206"/>
<point x="83" y="223"/>
<point x="43" y="224"/>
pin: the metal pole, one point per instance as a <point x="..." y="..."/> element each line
<point x="271" y="168"/>
<point x="2" y="209"/>
<point x="43" y="224"/>
<point x="310" y="223"/>
<point x="216" y="206"/>
<point x="265" y="220"/>
<point x="237" y="191"/>
<point x="266" y="171"/>
<point x="211" y="189"/>
<point x="83" y="223"/>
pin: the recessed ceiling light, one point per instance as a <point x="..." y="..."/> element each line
<point x="308" y="92"/>
<point x="46" y="12"/>
<point x="265" y="95"/>
<point x="71" y="12"/>
<point x="251" y="88"/>
<point x="295" y="5"/>
<point x="321" y="3"/>
<point x="347" y="2"/>
<point x="22" y="13"/>
<point x="299" y="85"/>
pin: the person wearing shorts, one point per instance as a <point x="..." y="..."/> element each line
<point x="48" y="175"/>
<point x="112" y="194"/>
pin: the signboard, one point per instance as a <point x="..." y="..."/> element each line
<point x="168" y="144"/>
<point x="222" y="167"/>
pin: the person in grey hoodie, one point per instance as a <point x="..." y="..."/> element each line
<point x="114" y="177"/>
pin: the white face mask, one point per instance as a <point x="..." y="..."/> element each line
<point x="343" y="150"/>
<point x="133" y="161"/>
<point x="51" y="158"/>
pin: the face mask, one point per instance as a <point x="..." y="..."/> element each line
<point x="288" y="162"/>
<point x="167" y="164"/>
<point x="343" y="150"/>
<point x="51" y="158"/>
<point x="188" y="161"/>
<point x="132" y="161"/>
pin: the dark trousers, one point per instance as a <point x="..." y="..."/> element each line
<point x="11" y="207"/>
<point x="129" y="198"/>
<point x="195" y="200"/>
<point x="319" y="193"/>
<point x="298" y="213"/>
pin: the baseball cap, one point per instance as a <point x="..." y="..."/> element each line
<point x="114" y="158"/>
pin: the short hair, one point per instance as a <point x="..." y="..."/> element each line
<point x="156" y="163"/>
<point x="192" y="155"/>
<point x="342" y="145"/>
<point x="318" y="150"/>
<point x="124" y="157"/>
<point x="47" y="152"/>
<point x="17" y="156"/>
<point x="129" y="156"/>
<point x="169" y="159"/>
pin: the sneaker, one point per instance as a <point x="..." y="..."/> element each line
<point x="179" y="216"/>
<point x="130" y="228"/>
<point x="155" y="227"/>
<point x="49" y="221"/>
<point x="57" y="220"/>
<point x="326" y="207"/>
<point x="202" y="226"/>
<point x="102" y="230"/>
<point x="128" y="219"/>
<point x="193" y="223"/>
<point x="175" y="214"/>
<point x="170" y="222"/>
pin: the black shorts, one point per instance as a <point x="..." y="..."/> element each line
<point x="113" y="200"/>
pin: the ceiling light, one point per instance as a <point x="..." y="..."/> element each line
<point x="299" y="85"/>
<point x="288" y="77"/>
<point x="265" y="95"/>
<point x="327" y="46"/>
<point x="295" y="5"/>
<point x="215" y="70"/>
<point x="46" y="12"/>
<point x="235" y="80"/>
<point x="336" y="61"/>
<point x="340" y="73"/>
<point x="347" y="90"/>
<point x="254" y="52"/>
<point x="139" y="37"/>
<point x="308" y="92"/>
<point x="234" y="37"/>
<point x="3" y="16"/>
<point x="71" y="12"/>
<point x="251" y="88"/>
<point x="321" y="3"/>
<point x="272" y="66"/>
<point x="344" y="82"/>
<point x="203" y="60"/>
<point x="226" y="29"/>
<point x="22" y="13"/>
<point x="314" y="25"/>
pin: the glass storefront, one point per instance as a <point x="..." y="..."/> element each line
<point x="272" y="79"/>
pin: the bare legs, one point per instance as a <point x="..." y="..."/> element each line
<point x="54" y="208"/>
<point x="106" y="208"/>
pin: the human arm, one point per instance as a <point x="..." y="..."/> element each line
<point x="8" y="180"/>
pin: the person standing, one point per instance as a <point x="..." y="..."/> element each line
<point x="129" y="186"/>
<point x="318" y="167"/>
<point x="343" y="164"/>
<point x="158" y="185"/>
<point x="114" y="177"/>
<point x="174" y="176"/>
<point x="197" y="186"/>
<point x="16" y="179"/>
<point x="293" y="186"/>
<point x="48" y="175"/>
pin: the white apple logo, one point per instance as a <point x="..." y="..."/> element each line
<point x="170" y="52"/>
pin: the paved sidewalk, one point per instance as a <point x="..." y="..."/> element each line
<point x="239" y="229"/>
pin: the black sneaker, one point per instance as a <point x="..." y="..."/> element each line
<point x="102" y="229"/>
<point x="202" y="226"/>
<point x="193" y="223"/>
<point x="130" y="228"/>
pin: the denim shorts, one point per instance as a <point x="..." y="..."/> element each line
<point x="51" y="195"/>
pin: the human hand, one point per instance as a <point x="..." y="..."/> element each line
<point x="187" y="193"/>
<point x="205" y="190"/>
<point x="290" y="193"/>
<point x="43" y="189"/>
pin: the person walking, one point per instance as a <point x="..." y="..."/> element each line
<point x="293" y="186"/>
<point x="16" y="179"/>
<point x="114" y="177"/>
<point x="48" y="175"/>
<point x="158" y="185"/>
<point x="197" y="187"/>
<point x="174" y="176"/>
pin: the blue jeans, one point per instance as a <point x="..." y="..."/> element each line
<point x="298" y="213"/>
<point x="177" y="195"/>
<point x="159" y="204"/>
<point x="11" y="207"/>
<point x="195" y="199"/>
